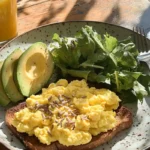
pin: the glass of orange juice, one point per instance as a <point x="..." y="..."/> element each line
<point x="8" y="19"/>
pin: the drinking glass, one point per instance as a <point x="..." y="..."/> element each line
<point x="8" y="19"/>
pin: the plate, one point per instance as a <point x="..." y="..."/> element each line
<point x="137" y="137"/>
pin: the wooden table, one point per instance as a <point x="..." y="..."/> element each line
<point x="127" y="13"/>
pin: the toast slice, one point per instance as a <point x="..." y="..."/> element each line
<point x="31" y="142"/>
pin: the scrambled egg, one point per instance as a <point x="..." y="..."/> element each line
<point x="70" y="113"/>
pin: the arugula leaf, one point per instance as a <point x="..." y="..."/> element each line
<point x="110" y="42"/>
<point x="145" y="81"/>
<point x="89" y="65"/>
<point x="139" y="90"/>
<point x="67" y="53"/>
<point x="99" y="78"/>
<point x="123" y="56"/>
<point x="76" y="73"/>
<point x="97" y="39"/>
<point x="130" y="46"/>
<point x="94" y="60"/>
<point x="124" y="80"/>
<point x="127" y="96"/>
<point x="85" y="42"/>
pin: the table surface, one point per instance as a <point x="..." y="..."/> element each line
<point x="127" y="13"/>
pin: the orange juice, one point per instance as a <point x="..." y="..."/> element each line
<point x="8" y="19"/>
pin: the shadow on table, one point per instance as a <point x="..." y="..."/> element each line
<point x="21" y="4"/>
<point x="52" y="12"/>
<point x="78" y="11"/>
<point x="81" y="9"/>
<point x="114" y="17"/>
<point x="145" y="20"/>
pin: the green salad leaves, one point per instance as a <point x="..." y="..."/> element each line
<point x="102" y="59"/>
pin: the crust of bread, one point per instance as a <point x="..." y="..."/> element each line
<point x="124" y="117"/>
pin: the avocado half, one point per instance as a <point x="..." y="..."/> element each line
<point x="7" y="76"/>
<point x="4" y="100"/>
<point x="35" y="67"/>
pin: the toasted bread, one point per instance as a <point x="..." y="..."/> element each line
<point x="31" y="142"/>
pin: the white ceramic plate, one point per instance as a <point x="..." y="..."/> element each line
<point x="135" y="138"/>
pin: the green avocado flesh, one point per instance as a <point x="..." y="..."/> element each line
<point x="35" y="67"/>
<point x="4" y="100"/>
<point x="7" y="76"/>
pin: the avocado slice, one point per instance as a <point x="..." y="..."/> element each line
<point x="7" y="76"/>
<point x="34" y="69"/>
<point x="4" y="100"/>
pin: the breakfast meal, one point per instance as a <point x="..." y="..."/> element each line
<point x="68" y="116"/>
<point x="70" y="95"/>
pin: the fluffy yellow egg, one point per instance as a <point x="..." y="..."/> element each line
<point x="70" y="113"/>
